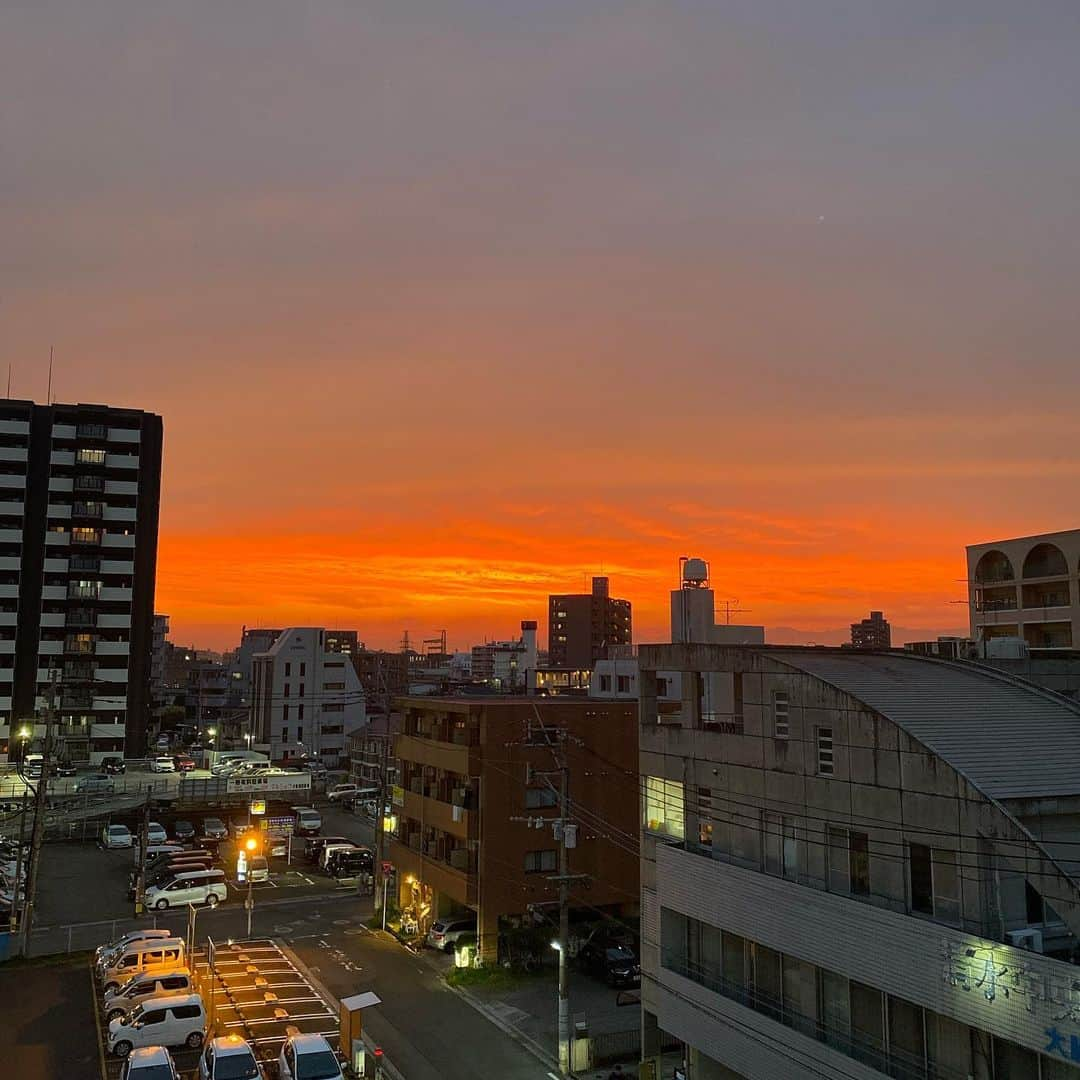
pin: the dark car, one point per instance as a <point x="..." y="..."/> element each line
<point x="313" y="845"/>
<point x="184" y="831"/>
<point x="214" y="829"/>
<point x="350" y="863"/>
<point x="65" y="768"/>
<point x="615" y="964"/>
<point x="113" y="766"/>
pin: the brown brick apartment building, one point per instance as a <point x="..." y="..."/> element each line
<point x="471" y="765"/>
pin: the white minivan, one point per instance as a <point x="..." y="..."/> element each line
<point x="192" y="887"/>
<point x="106" y="955"/>
<point x="155" y="954"/>
<point x="151" y="984"/>
<point x="168" y="1021"/>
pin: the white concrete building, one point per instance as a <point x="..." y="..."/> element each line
<point x="862" y="865"/>
<point x="506" y="665"/>
<point x="1029" y="588"/>
<point x="305" y="699"/>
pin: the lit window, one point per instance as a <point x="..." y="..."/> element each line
<point x="665" y="807"/>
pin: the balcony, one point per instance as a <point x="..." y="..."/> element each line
<point x="1047" y="594"/>
<point x="448" y="756"/>
<point x="79" y="671"/>
<point x="457" y="883"/>
<point x="86" y="537"/>
<point x="450" y="819"/>
<point x="89" y="483"/>
<point x="79" y="644"/>
<point x="83" y="590"/>
<point x="80" y="617"/>
<point x="85" y="563"/>
<point x="77" y="699"/>
<point x="91" y="431"/>
<point x="86" y="456"/>
<point x="83" y="509"/>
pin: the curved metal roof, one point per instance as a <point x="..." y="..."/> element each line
<point x="1011" y="739"/>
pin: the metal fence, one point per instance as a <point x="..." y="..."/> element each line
<point x="614" y="1046"/>
<point x="82" y="937"/>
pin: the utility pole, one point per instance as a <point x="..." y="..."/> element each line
<point x="144" y="842"/>
<point x="380" y="838"/>
<point x="37" y="834"/>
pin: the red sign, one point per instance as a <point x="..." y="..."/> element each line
<point x="387" y="868"/>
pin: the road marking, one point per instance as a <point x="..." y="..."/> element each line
<point x="553" y="1076"/>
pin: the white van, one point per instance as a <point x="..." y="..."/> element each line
<point x="329" y="849"/>
<point x="192" y="887"/>
<point x="168" y="1021"/>
<point x="157" y="954"/>
<point x="105" y="955"/>
<point x="231" y="758"/>
<point x="152" y="984"/>
<point x="308" y="821"/>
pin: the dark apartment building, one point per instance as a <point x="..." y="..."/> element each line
<point x="872" y="633"/>
<point x="581" y="626"/>
<point x="79" y="498"/>
<point x="474" y="769"/>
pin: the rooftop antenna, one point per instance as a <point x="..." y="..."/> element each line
<point x="48" y="395"/>
<point x="9" y="380"/>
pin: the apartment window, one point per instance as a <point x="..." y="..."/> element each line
<point x="624" y="684"/>
<point x="285" y="713"/>
<point x="781" y="846"/>
<point x="85" y="456"/>
<point x="288" y="671"/>
<point x="665" y="807"/>
<point x="334" y="686"/>
<point x="339" y="707"/>
<point x="540" y="862"/>
<point x="83" y="535"/>
<point x="536" y="798"/>
<point x="332" y="664"/>
<point x="299" y="712"/>
<point x="705" y="814"/>
<point x="661" y="687"/>
<point x="284" y="734"/>
<point x="605" y="684"/>
<point x="285" y="692"/>
<point x="825" y="751"/>
<point x="780" y="706"/>
<point x="301" y="685"/>
<point x="299" y="734"/>
<point x="935" y="882"/>
<point x="303" y="669"/>
<point x="859" y="863"/>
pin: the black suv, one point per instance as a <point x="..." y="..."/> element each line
<point x="615" y="964"/>
<point x="113" y="766"/>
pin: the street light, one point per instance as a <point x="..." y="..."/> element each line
<point x="252" y="845"/>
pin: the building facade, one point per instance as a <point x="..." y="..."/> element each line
<point x="866" y="867"/>
<point x="306" y="701"/>
<point x="872" y="633"/>
<point x="582" y="625"/>
<point x="79" y="501"/>
<point x="469" y="767"/>
<point x="506" y="666"/>
<point x="1027" y="588"/>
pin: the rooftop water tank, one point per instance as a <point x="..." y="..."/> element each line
<point x="695" y="572"/>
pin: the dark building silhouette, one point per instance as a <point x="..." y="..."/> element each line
<point x="581" y="626"/>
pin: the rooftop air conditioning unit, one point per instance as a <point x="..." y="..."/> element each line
<point x="1029" y="939"/>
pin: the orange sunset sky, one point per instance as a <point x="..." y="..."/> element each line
<point x="448" y="303"/>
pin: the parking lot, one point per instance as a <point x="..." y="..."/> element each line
<point x="255" y="991"/>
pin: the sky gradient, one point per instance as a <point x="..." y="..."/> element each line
<point x="447" y="303"/>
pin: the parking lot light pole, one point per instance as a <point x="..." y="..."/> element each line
<point x="252" y="846"/>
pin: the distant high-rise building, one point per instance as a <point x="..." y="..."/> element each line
<point x="346" y="642"/>
<point x="80" y="490"/>
<point x="872" y="633"/>
<point x="157" y="661"/>
<point x="505" y="665"/>
<point x="306" y="700"/>
<point x="581" y="626"/>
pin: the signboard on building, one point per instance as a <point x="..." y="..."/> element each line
<point x="397" y="795"/>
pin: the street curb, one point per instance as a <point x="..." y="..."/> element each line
<point x="527" y="1041"/>
<point x="389" y="1069"/>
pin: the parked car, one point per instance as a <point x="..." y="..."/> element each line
<point x="149" y="1063"/>
<point x="113" y="766"/>
<point x="329" y="849"/>
<point x="65" y="768"/>
<point x="317" y="769"/>
<point x="149" y="954"/>
<point x="258" y="869"/>
<point x="182" y="763"/>
<point x="308" y="820"/>
<point x="343" y="792"/>
<point x="103" y="954"/>
<point x="162" y="764"/>
<point x="155" y="834"/>
<point x="307" y="1056"/>
<point x="191" y="887"/>
<point x="313" y="845"/>
<point x="95" y="784"/>
<point x="170" y="1021"/>
<point x="151" y="984"/>
<point x="214" y="829"/>
<point x="228" y="1057"/>
<point x="350" y="863"/>
<point x="184" y="831"/>
<point x="116" y="836"/>
<point x="444" y="933"/>
<point x="615" y="964"/>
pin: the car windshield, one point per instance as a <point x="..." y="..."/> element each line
<point x="620" y="954"/>
<point x="322" y="1065"/>
<point x="152" y="1072"/>
<point x="213" y="823"/>
<point x="236" y="1067"/>
<point x="118" y="830"/>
